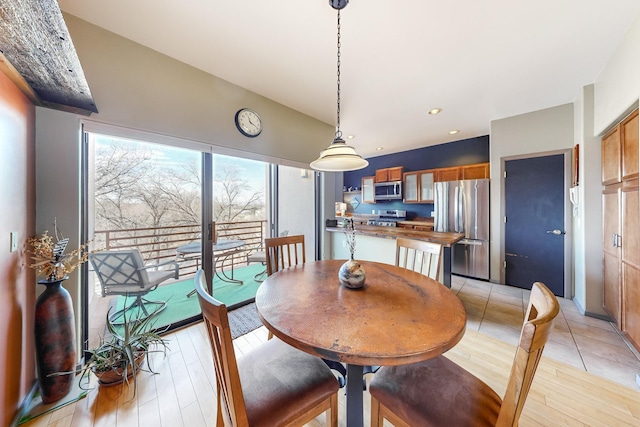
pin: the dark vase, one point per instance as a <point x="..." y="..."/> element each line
<point x="55" y="339"/>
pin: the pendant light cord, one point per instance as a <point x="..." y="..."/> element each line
<point x="338" y="132"/>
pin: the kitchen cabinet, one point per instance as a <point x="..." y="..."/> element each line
<point x="448" y="174"/>
<point x="418" y="186"/>
<point x="368" y="192"/>
<point x="475" y="171"/>
<point x="611" y="253"/>
<point x="620" y="151"/>
<point x="621" y="227"/>
<point x="389" y="174"/>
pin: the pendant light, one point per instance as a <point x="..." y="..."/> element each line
<point x="339" y="157"/>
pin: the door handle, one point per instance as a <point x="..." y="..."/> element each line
<point x="556" y="232"/>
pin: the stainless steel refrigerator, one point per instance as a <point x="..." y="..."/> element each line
<point x="463" y="207"/>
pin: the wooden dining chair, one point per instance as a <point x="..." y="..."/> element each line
<point x="438" y="392"/>
<point x="284" y="252"/>
<point x="418" y="255"/>
<point x="273" y="385"/>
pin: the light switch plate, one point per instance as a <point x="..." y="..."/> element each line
<point x="638" y="379"/>
<point x="14" y="241"/>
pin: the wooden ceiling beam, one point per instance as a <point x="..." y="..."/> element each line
<point x="35" y="42"/>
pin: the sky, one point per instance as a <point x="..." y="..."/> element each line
<point x="252" y="171"/>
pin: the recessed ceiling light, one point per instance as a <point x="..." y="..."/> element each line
<point x="435" y="111"/>
<point x="453" y="132"/>
<point x="379" y="149"/>
<point x="350" y="136"/>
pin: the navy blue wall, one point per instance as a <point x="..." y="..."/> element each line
<point x="457" y="153"/>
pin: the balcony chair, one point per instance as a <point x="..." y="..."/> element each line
<point x="123" y="272"/>
<point x="273" y="385"/>
<point x="261" y="257"/>
<point x="419" y="256"/>
<point x="438" y="392"/>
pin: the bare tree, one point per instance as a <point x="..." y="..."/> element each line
<point x="134" y="191"/>
<point x="233" y="198"/>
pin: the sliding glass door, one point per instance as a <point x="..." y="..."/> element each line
<point x="164" y="201"/>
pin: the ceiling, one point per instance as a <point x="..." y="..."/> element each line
<point x="477" y="60"/>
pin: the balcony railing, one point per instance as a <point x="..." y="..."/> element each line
<point x="158" y="244"/>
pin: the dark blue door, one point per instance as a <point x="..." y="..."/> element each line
<point x="534" y="228"/>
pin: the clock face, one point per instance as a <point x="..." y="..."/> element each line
<point x="248" y="122"/>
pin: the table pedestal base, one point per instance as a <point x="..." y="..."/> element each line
<point x="354" y="396"/>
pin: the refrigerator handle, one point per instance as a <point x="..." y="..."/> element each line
<point x="458" y="210"/>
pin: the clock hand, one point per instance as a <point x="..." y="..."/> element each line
<point x="250" y="121"/>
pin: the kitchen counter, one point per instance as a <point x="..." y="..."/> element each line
<point x="445" y="239"/>
<point x="377" y="243"/>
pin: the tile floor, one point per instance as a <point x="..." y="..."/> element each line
<point x="586" y="343"/>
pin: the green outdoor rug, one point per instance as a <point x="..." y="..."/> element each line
<point x="179" y="307"/>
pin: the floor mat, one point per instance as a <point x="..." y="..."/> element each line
<point x="243" y="320"/>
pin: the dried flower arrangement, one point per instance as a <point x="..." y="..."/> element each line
<point x="350" y="235"/>
<point x="49" y="259"/>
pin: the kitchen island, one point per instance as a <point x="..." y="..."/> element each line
<point x="376" y="243"/>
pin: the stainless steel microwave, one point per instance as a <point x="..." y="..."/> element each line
<point x="388" y="190"/>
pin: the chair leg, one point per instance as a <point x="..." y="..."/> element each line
<point x="139" y="303"/>
<point x="332" y="415"/>
<point x="376" y="419"/>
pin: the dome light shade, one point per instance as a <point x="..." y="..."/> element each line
<point x="339" y="157"/>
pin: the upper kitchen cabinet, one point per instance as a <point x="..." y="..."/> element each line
<point x="389" y="174"/>
<point x="620" y="151"/>
<point x="368" y="193"/>
<point x="418" y="186"/>
<point x="477" y="171"/>
<point x="448" y="174"/>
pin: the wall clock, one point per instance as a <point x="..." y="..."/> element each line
<point x="248" y="122"/>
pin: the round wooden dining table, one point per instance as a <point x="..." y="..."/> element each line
<point x="397" y="317"/>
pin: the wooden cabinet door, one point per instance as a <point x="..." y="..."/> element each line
<point x="395" y="174"/>
<point x="629" y="141"/>
<point x="477" y="171"/>
<point x="611" y="253"/>
<point x="630" y="256"/>
<point x="382" y="175"/>
<point x="367" y="189"/>
<point x="611" y="157"/>
<point x="448" y="174"/>
<point x="410" y="187"/>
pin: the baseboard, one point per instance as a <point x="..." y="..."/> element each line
<point x="582" y="311"/>
<point x="26" y="403"/>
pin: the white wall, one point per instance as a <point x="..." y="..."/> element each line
<point x="588" y="222"/>
<point x="618" y="86"/>
<point x="537" y="132"/>
<point x="296" y="205"/>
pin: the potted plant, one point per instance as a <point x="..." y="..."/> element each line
<point x="121" y="355"/>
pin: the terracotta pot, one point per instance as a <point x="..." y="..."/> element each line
<point x="55" y="339"/>
<point x="115" y="376"/>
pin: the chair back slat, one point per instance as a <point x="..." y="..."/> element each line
<point x="284" y="252"/>
<point x="419" y="256"/>
<point x="216" y="319"/>
<point x="542" y="310"/>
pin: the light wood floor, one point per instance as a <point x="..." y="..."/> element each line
<point x="182" y="393"/>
